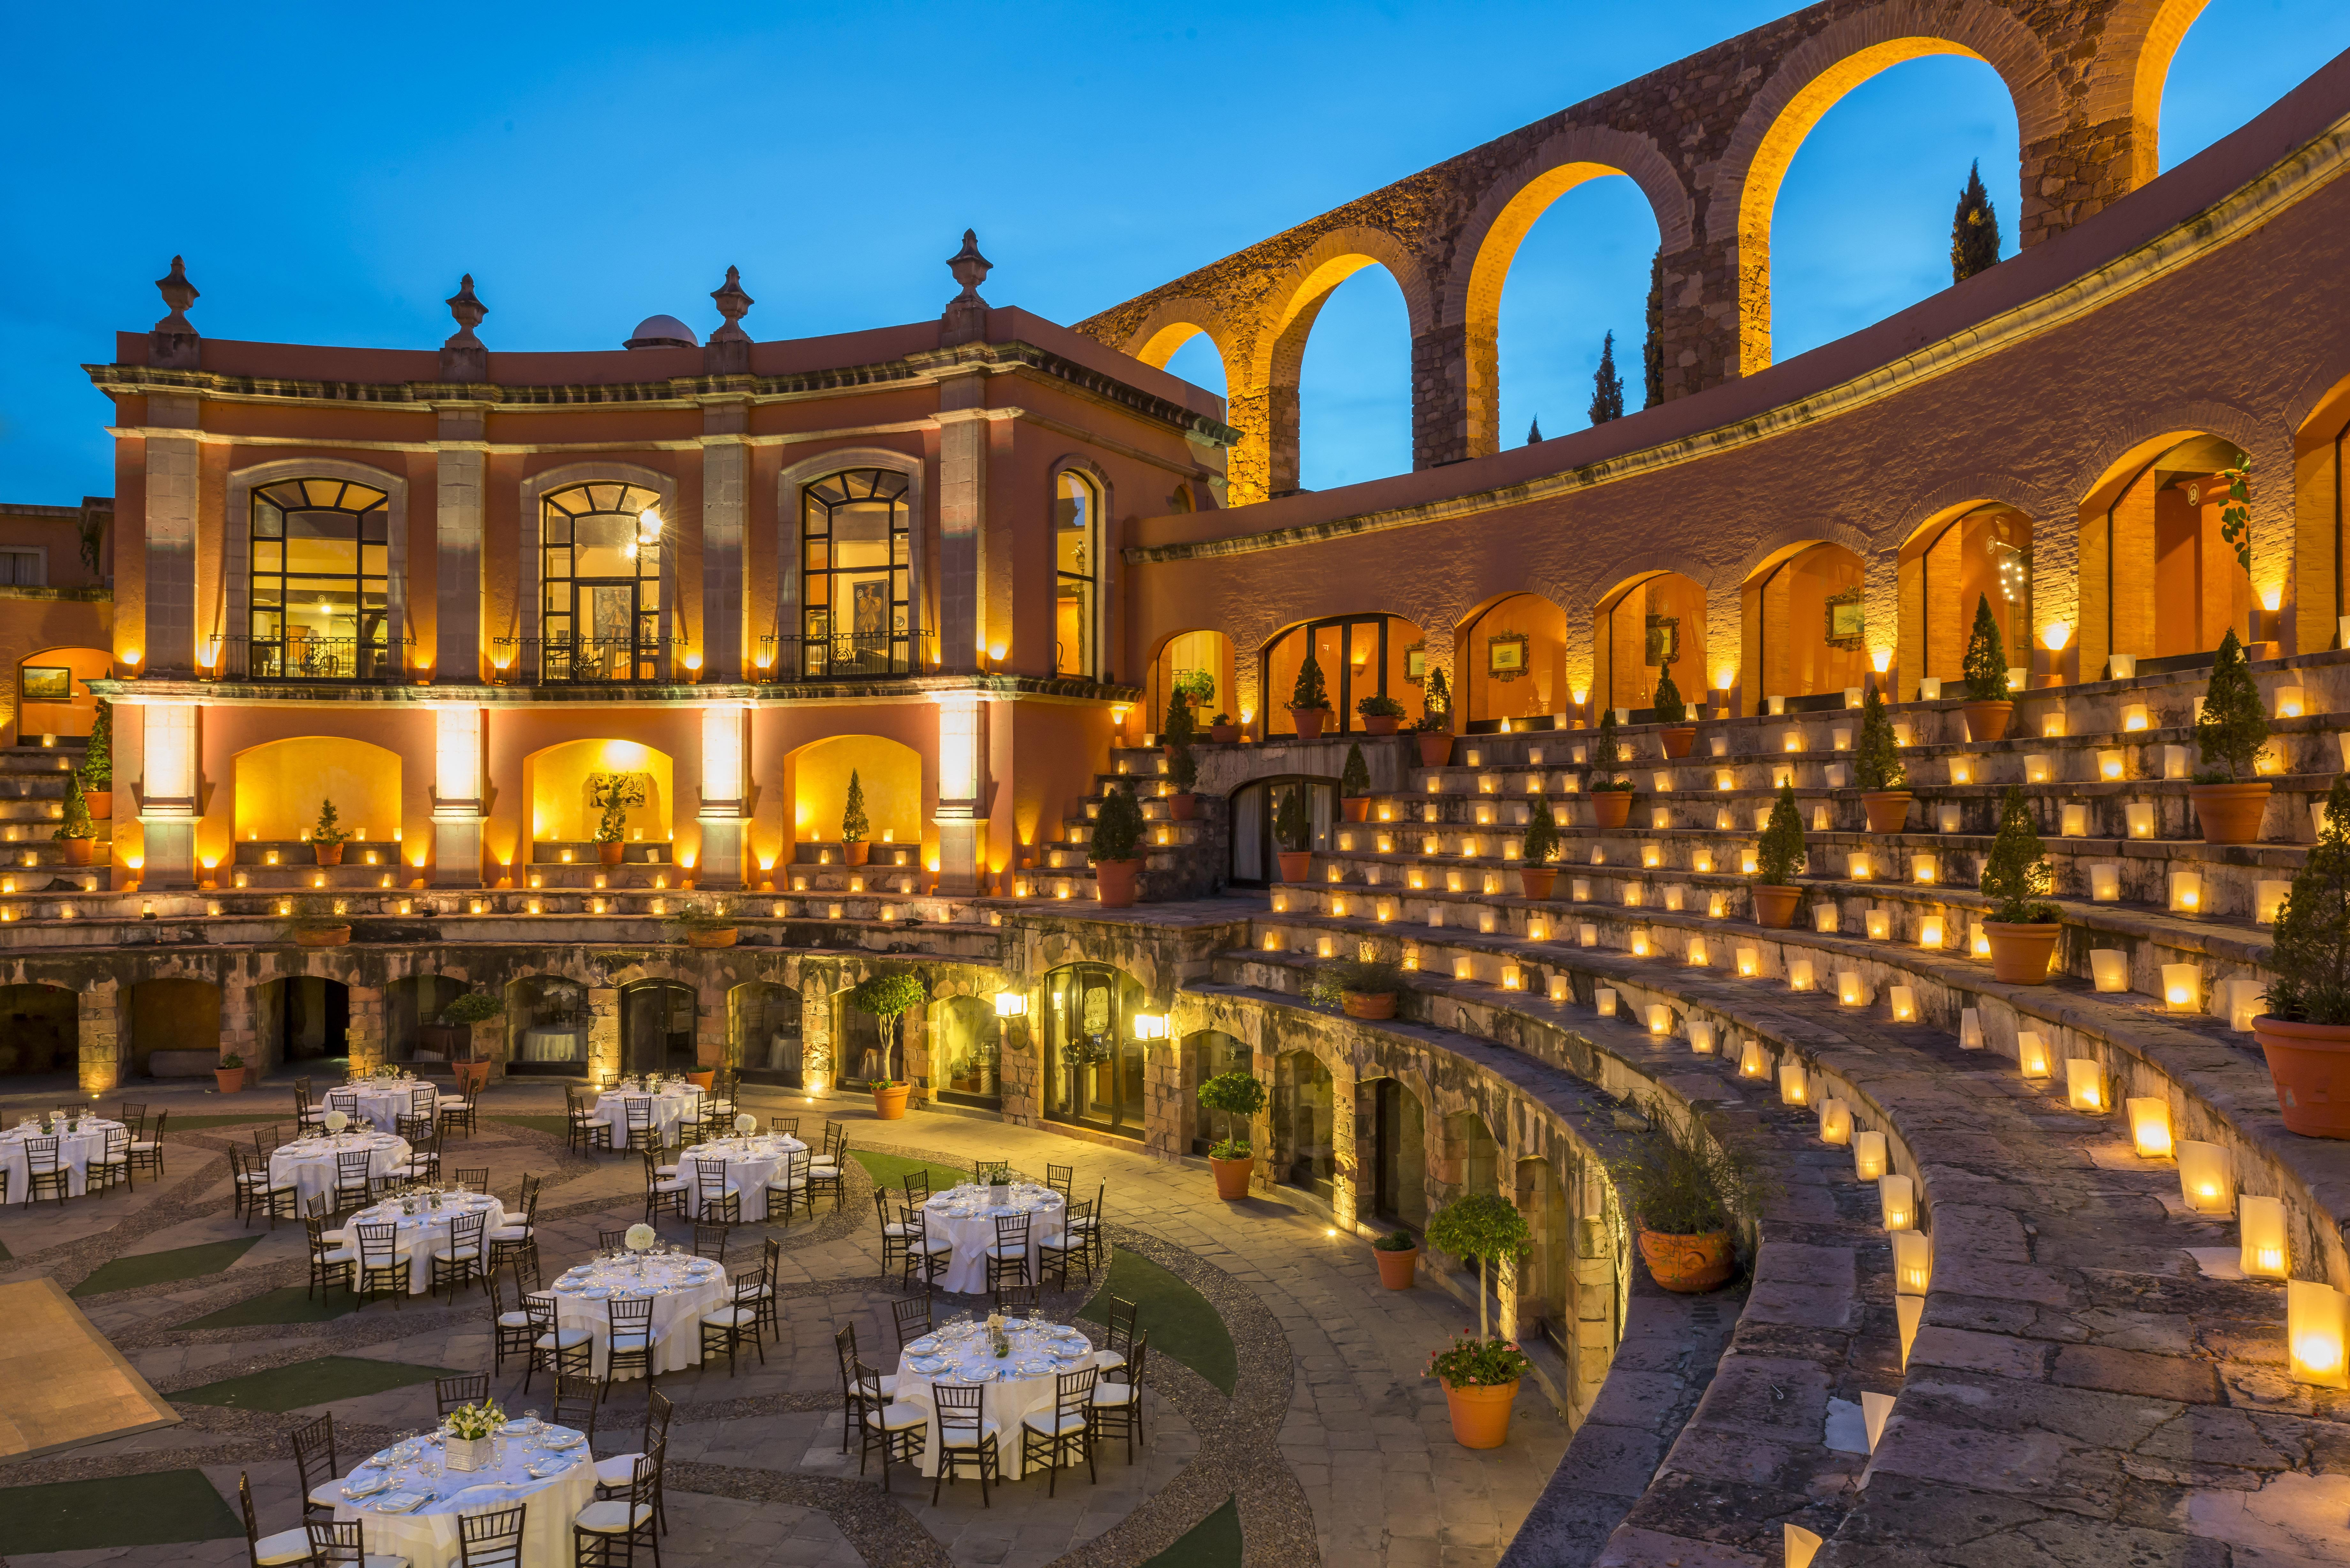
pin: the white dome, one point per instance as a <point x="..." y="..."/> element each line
<point x="662" y="332"/>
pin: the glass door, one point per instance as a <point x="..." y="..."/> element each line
<point x="1095" y="1071"/>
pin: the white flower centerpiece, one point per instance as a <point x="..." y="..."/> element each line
<point x="639" y="1239"/>
<point x="336" y="1122"/>
<point x="471" y="1435"/>
<point x="998" y="1339"/>
<point x="746" y="1124"/>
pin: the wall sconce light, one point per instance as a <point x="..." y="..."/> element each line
<point x="1868" y="1156"/>
<point x="1795" y="1088"/>
<point x="1896" y="1198"/>
<point x="2261" y="1231"/>
<point x="1836" y="1122"/>
<point x="1752" y="1062"/>
<point x="2031" y="1054"/>
<point x="2207" y="1178"/>
<point x="2084" y="1085"/>
<point x="1799" y="975"/>
<point x="2317" y="1325"/>
<point x="2109" y="968"/>
<point x="1604" y="1001"/>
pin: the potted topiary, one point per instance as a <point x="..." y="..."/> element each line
<point x="1611" y="799"/>
<point x="313" y="923"/>
<point x="1480" y="1375"/>
<point x="75" y="832"/>
<point x="612" y="795"/>
<point x="1434" y="731"/>
<point x="1535" y="873"/>
<point x="1673" y="713"/>
<point x="1115" y="847"/>
<point x="1290" y="826"/>
<point x="1367" y="988"/>
<point x="230" y="1074"/>
<point x="1355" y="786"/>
<point x="888" y="997"/>
<point x="1777" y="859"/>
<point x="1381" y="715"/>
<point x="702" y="927"/>
<point x="1684" y="1185"/>
<point x="2022" y="926"/>
<point x="1987" y="707"/>
<point x="1182" y="771"/>
<point x="1231" y="1094"/>
<point x="1309" y="703"/>
<point x="2305" y="1033"/>
<point x="327" y="837"/>
<point x="462" y="1016"/>
<point x="853" y="827"/>
<point x="1398" y="1255"/>
<point x="1876" y="768"/>
<point x="2229" y="729"/>
<point x="1222" y="731"/>
<point x="1177" y="729"/>
<point x="97" y="764"/>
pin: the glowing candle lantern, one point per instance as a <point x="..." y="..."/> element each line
<point x="1697" y="952"/>
<point x="2186" y="892"/>
<point x="1660" y="1019"/>
<point x="2031" y="1054"/>
<point x="1850" y="991"/>
<point x="1631" y="895"/>
<point x="1904" y="1003"/>
<point x="1902" y="734"/>
<point x="2110" y="766"/>
<point x="1673" y="897"/>
<point x="1774" y="706"/>
<point x="1852" y="696"/>
<point x="2149" y="1121"/>
<point x="2074" y="820"/>
<point x="1386" y="909"/>
<point x="1660" y="817"/>
<point x="1537" y="929"/>
<point x="2243" y="1000"/>
<point x="1700" y="1038"/>
<point x="1749" y="963"/>
<point x="1747" y="861"/>
<point x="1799" y="975"/>
<point x="1485" y="922"/>
<point x="1514" y="979"/>
<point x="2052" y="726"/>
<point x="1579" y="888"/>
<point x="1836" y="1122"/>
<point x="2121" y="665"/>
<point x="1947" y="815"/>
<point x="1410" y="956"/>
<point x="1586" y="935"/>
<point x="1724" y="778"/>
<point x="2182" y="988"/>
<point x="2207" y="1176"/>
<point x="1930" y="690"/>
<point x="1273" y="941"/>
<point x="1820" y="821"/>
<point x="1464" y="968"/>
<point x="2084" y="1085"/>
<point x="1840" y="740"/>
<point x="1338" y="908"/>
<point x="1652" y="855"/>
<point x="1795" y="1087"/>
<point x="1913" y="1263"/>
<point x="2109" y="968"/>
<point x="2260" y="1230"/>
<point x="1454" y="882"/>
<point x="1798" y="1545"/>
<point x="1930" y="933"/>
<point x="1752" y="1061"/>
<point x="1878" y="924"/>
<point x="1978" y="940"/>
<point x="1824" y="917"/>
<point x="2291" y="702"/>
<point x="1921" y="869"/>
<point x="1323" y="949"/>
<point x="1725" y="820"/>
<point x="2104" y="881"/>
<point x="1962" y="770"/>
<point x="1662" y="780"/>
<point x="1558" y="988"/>
<point x="2035" y="767"/>
<point x="1763" y="815"/>
<point x="1603" y="1000"/>
<point x="1435" y="916"/>
<point x="1793" y="741"/>
<point x="1716" y="906"/>
<point x="2173" y="762"/>
<point x="1701" y="862"/>
<point x="1868" y="1156"/>
<point x="2317" y="1327"/>
<point x="1639" y="944"/>
<point x="1909" y="1314"/>
<point x="2134" y="716"/>
<point x="1896" y="1198"/>
<point x="2267" y="899"/>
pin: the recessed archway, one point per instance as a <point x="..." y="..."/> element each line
<point x="1642" y="628"/>
<point x="1976" y="553"/>
<point x="1200" y="664"/>
<point x="53" y="695"/>
<point x="2159" y="579"/>
<point x="280" y="788"/>
<point x="1804" y="623"/>
<point x="174" y="1014"/>
<point x="570" y="785"/>
<point x="40" y="1030"/>
<point x="1511" y="655"/>
<point x="888" y="775"/>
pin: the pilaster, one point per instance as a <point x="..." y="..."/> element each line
<point x="460" y="471"/>
<point x="170" y="793"/>
<point x="723" y="816"/>
<point x="457" y="793"/>
<point x="174" y="470"/>
<point x="725" y="491"/>
<point x="962" y="792"/>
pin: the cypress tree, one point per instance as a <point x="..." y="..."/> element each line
<point x="1607" y="385"/>
<point x="1974" y="231"/>
<point x="1652" y="352"/>
<point x="1534" y="432"/>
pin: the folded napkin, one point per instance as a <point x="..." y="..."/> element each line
<point x="367" y="1488"/>
<point x="548" y="1468"/>
<point x="403" y="1502"/>
<point x="568" y="1440"/>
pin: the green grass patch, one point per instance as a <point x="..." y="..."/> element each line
<point x="1213" y="1542"/>
<point x="304" y="1383"/>
<point x="119" y="1510"/>
<point x="556" y="1126"/>
<point x="162" y="1268"/>
<point x="892" y="1169"/>
<point x="1177" y="1318"/>
<point x="287" y="1303"/>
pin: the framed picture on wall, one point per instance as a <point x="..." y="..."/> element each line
<point x="1414" y="664"/>
<point x="48" y="683"/>
<point x="1846" y="623"/>
<point x="1664" y="646"/>
<point x="1505" y="654"/>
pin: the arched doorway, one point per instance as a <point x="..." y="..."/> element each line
<point x="1257" y="805"/>
<point x="763" y="1034"/>
<point x="40" y="1030"/>
<point x="1804" y="626"/>
<point x="1470" y="1157"/>
<point x="2160" y="579"/>
<point x="1398" y="1160"/>
<point x="174" y="1015"/>
<point x="281" y="785"/>
<point x="411" y="1007"/>
<point x="967" y="1052"/>
<point x="1973" y="556"/>
<point x="1305" y="1132"/>
<point x="548" y="1017"/>
<point x="53" y="695"/>
<point x="1211" y="1054"/>
<point x="1198" y="663"/>
<point x="1643" y="627"/>
<point x="1546" y="1273"/>
<point x="1359" y="655"/>
<point x="304" y="1018"/>
<point x="657" y="1027"/>
<point x="1512" y="659"/>
<point x="1093" y="1074"/>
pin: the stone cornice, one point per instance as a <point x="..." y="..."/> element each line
<point x="155" y="690"/>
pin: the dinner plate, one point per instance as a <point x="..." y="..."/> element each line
<point x="595" y="1293"/>
<point x="367" y="1488"/>
<point x="403" y="1502"/>
<point x="976" y="1374"/>
<point x="925" y="1345"/>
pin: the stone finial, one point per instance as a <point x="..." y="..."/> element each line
<point x="464" y="357"/>
<point x="965" y="320"/>
<point x="733" y="303"/>
<point x="179" y="294"/>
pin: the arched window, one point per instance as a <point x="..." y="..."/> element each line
<point x="1077" y="556"/>
<point x="601" y="565"/>
<point x="857" y="575"/>
<point x="321" y="554"/>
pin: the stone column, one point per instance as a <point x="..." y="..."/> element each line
<point x="1880" y="610"/>
<point x="710" y="1033"/>
<point x="460" y="465"/>
<point x="1346" y="1172"/>
<point x="723" y="816"/>
<point x="240" y="1022"/>
<point x="457" y="793"/>
<point x="1595" y="1289"/>
<point x="1724" y="605"/>
<point x="1445" y="426"/>
<point x="103" y="1055"/>
<point x="174" y="471"/>
<point x="962" y="790"/>
<point x="170" y="793"/>
<point x="725" y="491"/>
<point x="967" y="616"/>
<point x="603" y="1029"/>
<point x="364" y="1032"/>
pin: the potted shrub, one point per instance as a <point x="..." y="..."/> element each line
<point x="1182" y="771"/>
<point x="1684" y="1185"/>
<point x="2231" y="728"/>
<point x="1398" y="1255"/>
<point x="1309" y="703"/>
<point x="1367" y="988"/>
<point x="888" y="997"/>
<point x="97" y="764"/>
<point x="1355" y="786"/>
<point x="2022" y="925"/>
<point x="75" y="832"/>
<point x="702" y="927"/>
<point x="1178" y="731"/>
<point x="1434" y="731"/>
<point x="1611" y="799"/>
<point x="1381" y="715"/>
<point x="855" y="830"/>
<point x="1673" y="713"/>
<point x="1231" y="1094"/>
<point x="1876" y="768"/>
<point x="467" y="1060"/>
<point x="230" y="1074"/>
<point x="1222" y="731"/>
<point x="1987" y="707"/>
<point x="1535" y="872"/>
<point x="1290" y="827"/>
<point x="1115" y="847"/>
<point x="1777" y="859"/>
<point x="1481" y="1375"/>
<point x="2305" y="1033"/>
<point x="613" y="794"/>
<point x="327" y="837"/>
<point x="315" y="924"/>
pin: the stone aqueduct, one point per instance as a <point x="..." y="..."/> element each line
<point x="1708" y="138"/>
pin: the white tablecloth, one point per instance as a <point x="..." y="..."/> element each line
<point x="383" y="1102"/>
<point x="550" y="1045"/>
<point x="75" y="1151"/>
<point x="751" y="1164"/>
<point x="428" y="1230"/>
<point x="668" y="1106"/>
<point x="961" y="1351"/>
<point x="428" y="1538"/>
<point x="967" y="1215"/>
<point x="683" y="1291"/>
<point x="308" y="1164"/>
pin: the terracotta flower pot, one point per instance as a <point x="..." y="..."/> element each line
<point x="1380" y="723"/>
<point x="100" y="801"/>
<point x="1232" y="1175"/>
<point x="1309" y="721"/>
<point x="323" y="937"/>
<point x="1355" y="808"/>
<point x="1396" y="1268"/>
<point x="1987" y="720"/>
<point x="1481" y="1412"/>
<point x="230" y="1079"/>
<point x="2020" y="953"/>
<point x="328" y="854"/>
<point x="1223" y="734"/>
<point x="1611" y="807"/>
<point x="1297" y="865"/>
<point x="470" y="1075"/>
<point x="1183" y="808"/>
<point x="1774" y="904"/>
<point x="2230" y="812"/>
<point x="723" y="937"/>
<point x="610" y="854"/>
<point x="854" y="854"/>
<point x="1435" y="749"/>
<point x="1369" y="1004"/>
<point x="1889" y="809"/>
<point x="1678" y="739"/>
<point x="889" y="1104"/>
<point x="1687" y="1264"/>
<point x="701" y="1080"/>
<point x="1535" y="881"/>
<point x="2310" y="1064"/>
<point x="78" y="850"/>
<point x="1114" y="882"/>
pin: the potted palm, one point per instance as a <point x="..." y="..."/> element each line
<point x="1433" y="734"/>
<point x="1309" y="703"/>
<point x="1611" y="799"/>
<point x="1673" y="713"/>
<point x="1987" y="707"/>
<point x="2231" y="728"/>
<point x="1777" y="859"/>
<point x="230" y="1074"/>
<point x="702" y="926"/>
<point x="1290" y="827"/>
<point x="1222" y="731"/>
<point x="1115" y="847"/>
<point x="1876" y="768"/>
<point x="1684" y="1185"/>
<point x="1481" y="1376"/>
<point x="1535" y="873"/>
<point x="613" y="794"/>
<point x="97" y="764"/>
<point x="1182" y="771"/>
<point x="314" y="923"/>
<point x="1367" y="988"/>
<point x="2022" y="926"/>
<point x="328" y="836"/>
<point x="855" y="830"/>
<point x="888" y="997"/>
<point x="1231" y="1094"/>
<point x="1398" y="1256"/>
<point x="1355" y="786"/>
<point x="75" y="832"/>
<point x="1381" y="715"/>
<point x="2305" y="1033"/>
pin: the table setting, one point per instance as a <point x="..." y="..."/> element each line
<point x="409" y="1496"/>
<point x="81" y="1139"/>
<point x="753" y="1161"/>
<point x="308" y="1164"/>
<point x="1035" y="1353"/>
<point x="684" y="1288"/>
<point x="380" y="1101"/>
<point x="671" y="1098"/>
<point x="966" y="1215"/>
<point x="422" y="1215"/>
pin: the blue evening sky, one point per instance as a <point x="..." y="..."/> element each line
<point x="330" y="171"/>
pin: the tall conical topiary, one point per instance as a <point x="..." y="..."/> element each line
<point x="1781" y="854"/>
<point x="1652" y="352"/>
<point x="97" y="759"/>
<point x="853" y="827"/>
<point x="1974" y="231"/>
<point x="1179" y="729"/>
<point x="1534" y="430"/>
<point x="1670" y="708"/>
<point x="1542" y="840"/>
<point x="2232" y="726"/>
<point x="2016" y="874"/>
<point x="1606" y="385"/>
<point x="1986" y="664"/>
<point x="1875" y="761"/>
<point x="1309" y="692"/>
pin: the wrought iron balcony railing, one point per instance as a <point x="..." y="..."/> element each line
<point x="579" y="660"/>
<point x="307" y="659"/>
<point x="846" y="656"/>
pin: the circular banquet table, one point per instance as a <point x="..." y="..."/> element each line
<point x="671" y="1102"/>
<point x="308" y="1164"/>
<point x="1021" y="1383"/>
<point x="966" y="1216"/>
<point x="751" y="1164"/>
<point x="427" y="1229"/>
<point x="683" y="1289"/>
<point x="381" y="1101"/>
<point x="426" y="1532"/>
<point x="76" y="1149"/>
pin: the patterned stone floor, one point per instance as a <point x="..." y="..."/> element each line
<point x="1334" y="1445"/>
